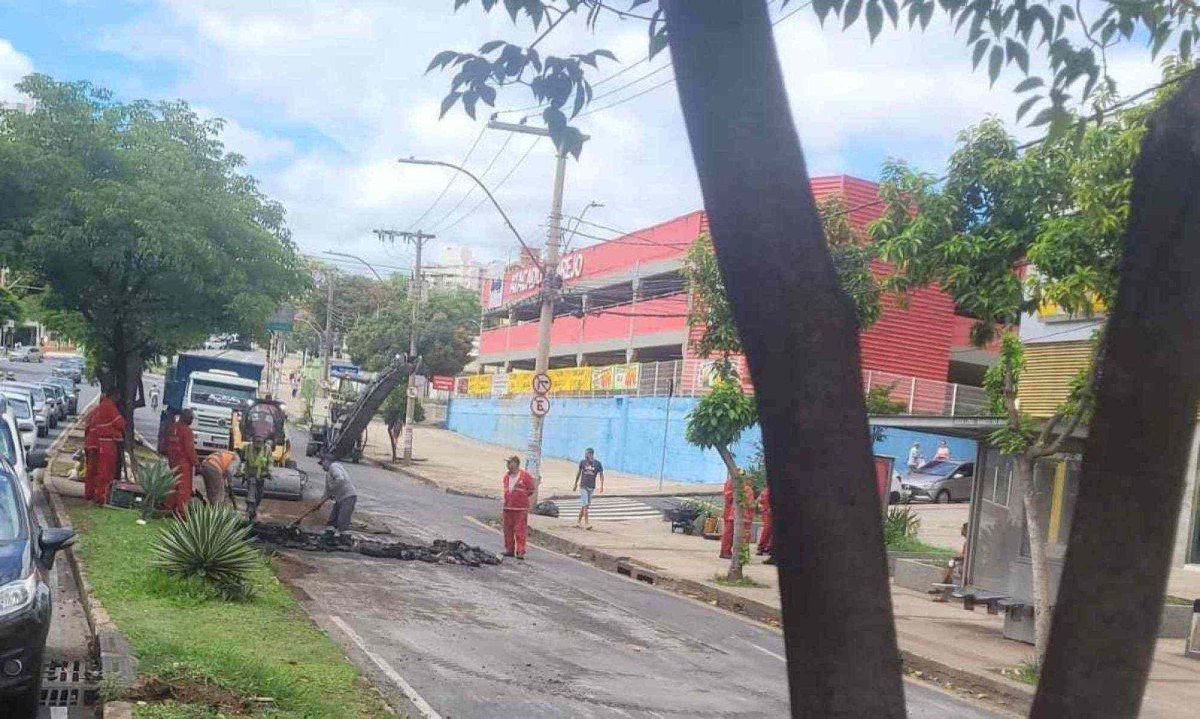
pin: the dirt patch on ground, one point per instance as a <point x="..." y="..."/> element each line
<point x="154" y="690"/>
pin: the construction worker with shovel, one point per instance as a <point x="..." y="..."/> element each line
<point x="340" y="489"/>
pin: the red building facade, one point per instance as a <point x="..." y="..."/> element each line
<point x="625" y="300"/>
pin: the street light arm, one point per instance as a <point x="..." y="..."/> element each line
<point x="356" y="257"/>
<point x="438" y="163"/>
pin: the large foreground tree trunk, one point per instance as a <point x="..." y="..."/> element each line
<point x="790" y="312"/>
<point x="1035" y="523"/>
<point x="1111" y="593"/>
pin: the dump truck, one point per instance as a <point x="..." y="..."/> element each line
<point x="212" y="387"/>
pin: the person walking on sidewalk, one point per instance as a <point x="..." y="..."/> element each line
<point x="585" y="481"/>
<point x="747" y="516"/>
<point x="181" y="456"/>
<point x="518" y="488"/>
<point x="218" y="470"/>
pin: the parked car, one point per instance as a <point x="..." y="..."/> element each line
<point x="22" y="410"/>
<point x="942" y="480"/>
<point x="27" y="553"/>
<point x="25" y="354"/>
<point x="57" y="399"/>
<point x="43" y="408"/>
<point x="70" y="390"/>
<point x="22" y="462"/>
<point x="70" y="370"/>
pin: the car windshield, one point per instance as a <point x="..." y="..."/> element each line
<point x="937" y="468"/>
<point x="37" y="393"/>
<point x="12" y="524"/>
<point x="222" y="395"/>
<point x="20" y="407"/>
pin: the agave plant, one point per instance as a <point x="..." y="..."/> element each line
<point x="156" y="480"/>
<point x="212" y="544"/>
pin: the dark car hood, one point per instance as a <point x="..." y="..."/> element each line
<point x="14" y="560"/>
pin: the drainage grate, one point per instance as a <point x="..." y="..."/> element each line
<point x="69" y="683"/>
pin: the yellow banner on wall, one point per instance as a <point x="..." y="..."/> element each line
<point x="479" y="385"/>
<point x="520" y="383"/>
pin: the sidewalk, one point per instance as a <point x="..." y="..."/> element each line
<point x="939" y="634"/>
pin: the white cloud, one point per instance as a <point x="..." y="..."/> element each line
<point x="350" y="75"/>
<point x="13" y="66"/>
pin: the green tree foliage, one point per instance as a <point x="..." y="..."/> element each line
<point x="143" y="230"/>
<point x="446" y="323"/>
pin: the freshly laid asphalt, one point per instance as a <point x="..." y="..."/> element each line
<point x="547" y="637"/>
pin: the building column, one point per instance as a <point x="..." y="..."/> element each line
<point x="585" y="302"/>
<point x="630" y="352"/>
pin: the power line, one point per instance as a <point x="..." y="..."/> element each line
<point x="500" y="184"/>
<point x="470" y="191"/>
<point x="449" y="182"/>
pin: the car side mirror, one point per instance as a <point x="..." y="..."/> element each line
<point x="36" y="459"/>
<point x="53" y="540"/>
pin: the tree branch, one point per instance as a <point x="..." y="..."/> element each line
<point x="1072" y="425"/>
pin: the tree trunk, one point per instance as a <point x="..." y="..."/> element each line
<point x="1114" y="577"/>
<point x="735" y="562"/>
<point x="788" y="306"/>
<point x="1024" y="474"/>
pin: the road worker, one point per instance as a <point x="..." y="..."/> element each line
<point x="747" y="516"/>
<point x="102" y="441"/>
<point x="767" y="535"/>
<point x="518" y="489"/>
<point x="218" y="470"/>
<point x="181" y="455"/>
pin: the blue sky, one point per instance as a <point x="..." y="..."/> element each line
<point x="321" y="96"/>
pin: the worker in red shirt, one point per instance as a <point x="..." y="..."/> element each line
<point x="747" y="516"/>
<point x="518" y="489"/>
<point x="767" y="534"/>
<point x="102" y="446"/>
<point x="181" y="455"/>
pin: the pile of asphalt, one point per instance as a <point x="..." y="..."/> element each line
<point x="440" y="551"/>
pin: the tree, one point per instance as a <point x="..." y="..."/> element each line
<point x="447" y="321"/>
<point x="141" y="227"/>
<point x="1054" y="214"/>
<point x="785" y="298"/>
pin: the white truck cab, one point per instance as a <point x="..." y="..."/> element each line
<point x="212" y="396"/>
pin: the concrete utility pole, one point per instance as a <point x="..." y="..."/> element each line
<point x="551" y="283"/>
<point x="417" y="239"/>
<point x="328" y="338"/>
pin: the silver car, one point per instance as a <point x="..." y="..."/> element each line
<point x="942" y="480"/>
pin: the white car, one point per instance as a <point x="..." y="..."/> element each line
<point x="25" y="354"/>
<point x="22" y="411"/>
<point x="12" y="450"/>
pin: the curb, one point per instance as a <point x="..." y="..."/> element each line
<point x="1007" y="694"/>
<point x="116" y="656"/>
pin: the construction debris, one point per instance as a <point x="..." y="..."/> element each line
<point x="375" y="545"/>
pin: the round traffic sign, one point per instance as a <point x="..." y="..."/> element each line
<point x="541" y="383"/>
<point x="540" y="405"/>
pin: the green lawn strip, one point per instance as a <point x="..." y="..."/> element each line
<point x="264" y="647"/>
<point x="915" y="545"/>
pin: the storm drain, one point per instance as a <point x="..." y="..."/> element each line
<point x="69" y="683"/>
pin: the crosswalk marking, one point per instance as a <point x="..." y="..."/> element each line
<point x="609" y="509"/>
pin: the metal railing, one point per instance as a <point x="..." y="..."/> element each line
<point x="906" y="395"/>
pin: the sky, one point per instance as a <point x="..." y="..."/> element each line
<point x="322" y="97"/>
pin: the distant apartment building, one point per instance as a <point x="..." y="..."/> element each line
<point x="456" y="269"/>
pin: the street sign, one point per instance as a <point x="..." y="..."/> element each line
<point x="282" y="319"/>
<point x="443" y="382"/>
<point x="541" y="383"/>
<point x="540" y="405"/>
<point x="412" y="392"/>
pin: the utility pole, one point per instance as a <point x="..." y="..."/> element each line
<point x="417" y="239"/>
<point x="327" y="340"/>
<point x="551" y="284"/>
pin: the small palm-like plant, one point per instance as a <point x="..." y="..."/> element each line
<point x="156" y="480"/>
<point x="211" y="544"/>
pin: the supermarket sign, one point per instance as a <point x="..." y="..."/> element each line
<point x="527" y="278"/>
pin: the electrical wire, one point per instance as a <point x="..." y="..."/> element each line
<point x="495" y="189"/>
<point x="450" y="182"/>
<point x="471" y="190"/>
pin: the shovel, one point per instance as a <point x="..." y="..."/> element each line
<point x="303" y="516"/>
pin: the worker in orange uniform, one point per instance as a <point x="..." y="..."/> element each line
<point x="767" y="535"/>
<point x="218" y="470"/>
<point x="181" y="455"/>
<point x="102" y="441"/>
<point x="518" y="489"/>
<point x="747" y="516"/>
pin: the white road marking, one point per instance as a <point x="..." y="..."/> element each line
<point x="768" y="652"/>
<point x="411" y="694"/>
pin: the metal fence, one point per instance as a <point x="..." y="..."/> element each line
<point x="693" y="377"/>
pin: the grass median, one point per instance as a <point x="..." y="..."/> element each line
<point x="201" y="656"/>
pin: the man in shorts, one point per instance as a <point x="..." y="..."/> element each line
<point x="585" y="480"/>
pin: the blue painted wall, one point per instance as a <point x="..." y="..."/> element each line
<point x="627" y="434"/>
